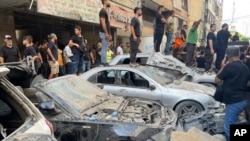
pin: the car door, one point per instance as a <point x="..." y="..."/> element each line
<point x="132" y="84"/>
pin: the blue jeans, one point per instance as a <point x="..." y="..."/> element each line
<point x="232" y="113"/>
<point x="169" y="36"/>
<point x="78" y="58"/>
<point x="86" y="65"/>
<point x="104" y="47"/>
<point x="71" y="68"/>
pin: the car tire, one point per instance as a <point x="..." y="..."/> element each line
<point x="188" y="108"/>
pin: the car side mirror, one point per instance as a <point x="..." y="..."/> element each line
<point x="48" y="105"/>
<point x="152" y="87"/>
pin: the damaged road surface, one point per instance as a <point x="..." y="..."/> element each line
<point x="80" y="111"/>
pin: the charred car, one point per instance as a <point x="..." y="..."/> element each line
<point x="20" y="120"/>
<point x="80" y="111"/>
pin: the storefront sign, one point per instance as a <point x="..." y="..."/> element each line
<point x="85" y="10"/>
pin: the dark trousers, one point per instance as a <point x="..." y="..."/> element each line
<point x="219" y="58"/>
<point x="157" y="41"/>
<point x="190" y="54"/>
<point x="78" y="58"/>
<point x="209" y="59"/>
<point x="45" y="69"/>
<point x="134" y="47"/>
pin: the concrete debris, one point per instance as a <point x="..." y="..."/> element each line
<point x="195" y="134"/>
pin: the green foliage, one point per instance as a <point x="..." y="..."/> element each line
<point x="242" y="37"/>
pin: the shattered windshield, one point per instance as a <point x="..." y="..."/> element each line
<point x="155" y="74"/>
<point x="75" y="92"/>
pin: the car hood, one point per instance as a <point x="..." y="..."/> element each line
<point x="87" y="102"/>
<point x="190" y="86"/>
<point x="168" y="62"/>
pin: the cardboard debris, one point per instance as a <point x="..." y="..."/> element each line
<point x="194" y="134"/>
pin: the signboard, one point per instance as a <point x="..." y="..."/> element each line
<point x="129" y="3"/>
<point x="85" y="10"/>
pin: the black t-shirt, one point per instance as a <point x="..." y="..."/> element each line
<point x="98" y="56"/>
<point x="86" y="56"/>
<point x="183" y="32"/>
<point x="235" y="76"/>
<point x="30" y="51"/>
<point x="222" y="39"/>
<point x="159" y="25"/>
<point x="52" y="46"/>
<point x="201" y="62"/>
<point x="136" y="24"/>
<point x="235" y="38"/>
<point x="44" y="54"/>
<point x="36" y="48"/>
<point x="78" y="40"/>
<point x="10" y="54"/>
<point x="104" y="14"/>
<point x="211" y="36"/>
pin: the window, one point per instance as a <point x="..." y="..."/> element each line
<point x="177" y="4"/>
<point x="139" y="60"/>
<point x="133" y="80"/>
<point x="106" y="77"/>
<point x="184" y="4"/>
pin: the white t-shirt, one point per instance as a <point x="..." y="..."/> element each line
<point x="119" y="50"/>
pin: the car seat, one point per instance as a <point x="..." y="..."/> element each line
<point x="127" y="80"/>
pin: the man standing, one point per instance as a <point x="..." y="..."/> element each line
<point x="169" y="31"/>
<point x="126" y="49"/>
<point x="88" y="56"/>
<point x="53" y="56"/>
<point x="235" y="37"/>
<point x="183" y="33"/>
<point x="119" y="49"/>
<point x="160" y="22"/>
<point x="234" y="75"/>
<point x="222" y="40"/>
<point x="191" y="43"/>
<point x="8" y="53"/>
<point x="104" y="33"/>
<point x="78" y="49"/>
<point x="211" y="45"/>
<point x="135" y="36"/>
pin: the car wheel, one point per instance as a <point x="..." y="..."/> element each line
<point x="188" y="108"/>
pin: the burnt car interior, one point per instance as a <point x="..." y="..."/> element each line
<point x="11" y="114"/>
<point x="133" y="79"/>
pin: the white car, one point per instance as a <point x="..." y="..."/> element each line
<point x="20" y="120"/>
<point x="173" y="67"/>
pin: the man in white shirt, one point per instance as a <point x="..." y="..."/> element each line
<point x="70" y="64"/>
<point x="119" y="49"/>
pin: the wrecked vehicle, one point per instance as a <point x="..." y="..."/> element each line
<point x="173" y="67"/>
<point x="20" y="120"/>
<point x="80" y="111"/>
<point x="185" y="98"/>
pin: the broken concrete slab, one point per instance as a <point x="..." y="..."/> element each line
<point x="195" y="134"/>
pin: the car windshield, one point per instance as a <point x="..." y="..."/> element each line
<point x="155" y="74"/>
<point x="74" y="92"/>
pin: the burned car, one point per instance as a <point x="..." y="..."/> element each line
<point x="186" y="98"/>
<point x="20" y="120"/>
<point x="80" y="111"/>
<point x="174" y="68"/>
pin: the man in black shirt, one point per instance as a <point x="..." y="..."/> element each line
<point x="98" y="54"/>
<point x="234" y="76"/>
<point x="235" y="37"/>
<point x="160" y="22"/>
<point x="78" y="49"/>
<point x="44" y="56"/>
<point x="105" y="34"/>
<point x="87" y="57"/>
<point x="53" y="56"/>
<point x="211" y="45"/>
<point x="135" y="36"/>
<point x="8" y="53"/>
<point x="222" y="40"/>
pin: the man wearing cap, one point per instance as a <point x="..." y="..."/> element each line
<point x="135" y="36"/>
<point x="8" y="53"/>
